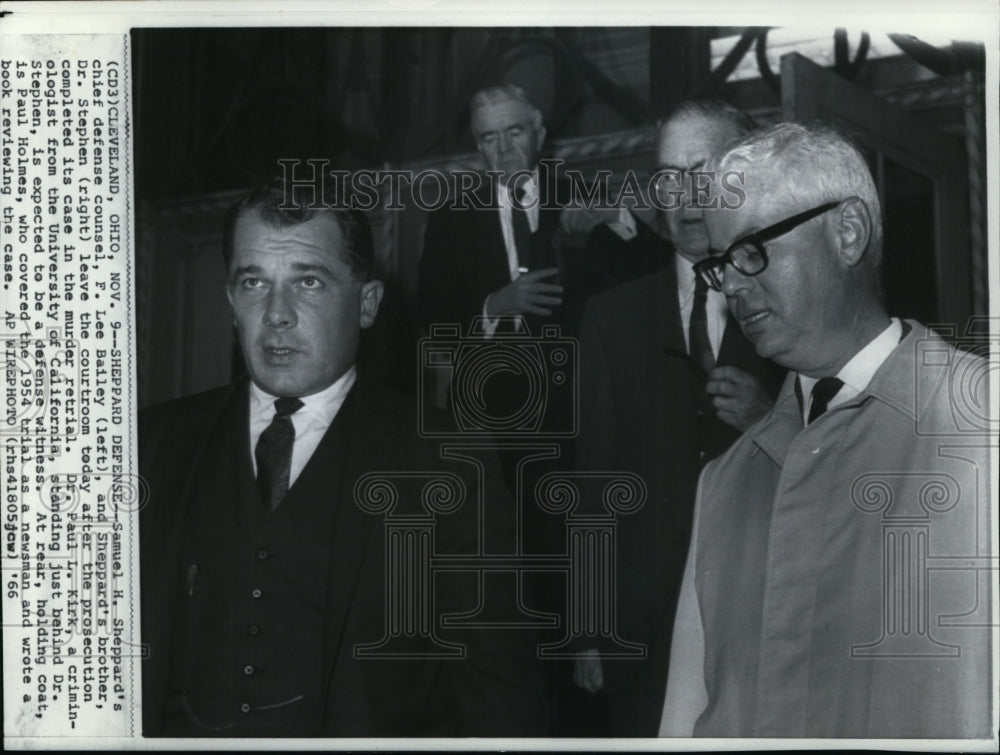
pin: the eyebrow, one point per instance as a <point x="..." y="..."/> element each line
<point x="305" y="267"/>
<point x="299" y="267"/>
<point x="696" y="166"/>
<point x="497" y="130"/>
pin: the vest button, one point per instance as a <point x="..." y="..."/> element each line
<point x="262" y="554"/>
<point x="256" y="592"/>
<point x="248" y="670"/>
<point x="253" y="630"/>
<point x="245" y="707"/>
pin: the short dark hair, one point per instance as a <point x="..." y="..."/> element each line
<point x="270" y="202"/>
<point x="712" y="108"/>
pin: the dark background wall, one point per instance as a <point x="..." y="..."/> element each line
<point x="214" y="109"/>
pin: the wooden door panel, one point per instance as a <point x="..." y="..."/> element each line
<point x="900" y="144"/>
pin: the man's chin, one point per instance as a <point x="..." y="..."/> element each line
<point x="281" y="383"/>
<point x="692" y="244"/>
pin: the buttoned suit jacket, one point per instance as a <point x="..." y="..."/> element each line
<point x="641" y="413"/>
<point x="495" y="691"/>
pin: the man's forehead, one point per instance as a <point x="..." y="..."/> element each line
<point x="319" y="234"/>
<point x="501" y="114"/>
<point x="764" y="194"/>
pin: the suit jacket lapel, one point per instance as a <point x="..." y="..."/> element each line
<point x="367" y="445"/>
<point x="494" y="263"/>
<point x="670" y="330"/>
<point x="667" y="361"/>
<point x="162" y="525"/>
<point x="194" y="452"/>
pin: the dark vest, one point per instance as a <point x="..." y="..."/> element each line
<point x="250" y="627"/>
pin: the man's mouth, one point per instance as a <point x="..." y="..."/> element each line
<point x="277" y="354"/>
<point x="754" y="317"/>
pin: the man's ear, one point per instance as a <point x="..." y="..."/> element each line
<point x="540" y="136"/>
<point x="853" y="230"/>
<point x="371" y="297"/>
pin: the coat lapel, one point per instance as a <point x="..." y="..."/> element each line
<point x="369" y="446"/>
<point x="199" y="434"/>
<point x="672" y="333"/>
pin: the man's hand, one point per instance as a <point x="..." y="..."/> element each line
<point x="738" y="397"/>
<point x="526" y="295"/>
<point x="588" y="674"/>
<point x="580" y="219"/>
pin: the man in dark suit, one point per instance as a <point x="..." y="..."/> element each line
<point x="493" y="254"/>
<point x="668" y="382"/>
<point x="268" y="606"/>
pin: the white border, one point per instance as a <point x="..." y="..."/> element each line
<point x="972" y="20"/>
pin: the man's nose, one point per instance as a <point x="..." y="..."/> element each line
<point x="733" y="281"/>
<point x="280" y="311"/>
<point x="689" y="209"/>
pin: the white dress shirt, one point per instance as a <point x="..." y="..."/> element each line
<point x="715" y="305"/>
<point x="859" y="371"/>
<point x="530" y="201"/>
<point x="624" y="225"/>
<point x="310" y="422"/>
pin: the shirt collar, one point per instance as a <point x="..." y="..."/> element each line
<point x="530" y="191"/>
<point x="685" y="275"/>
<point x="893" y="383"/>
<point x="861" y="368"/>
<point x="321" y="407"/>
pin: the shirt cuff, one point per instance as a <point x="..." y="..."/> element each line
<point x="489" y="323"/>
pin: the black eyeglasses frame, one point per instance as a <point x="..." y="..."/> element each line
<point x="710" y="269"/>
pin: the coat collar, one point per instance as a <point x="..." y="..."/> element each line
<point x="894" y="384"/>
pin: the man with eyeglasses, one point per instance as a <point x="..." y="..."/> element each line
<point x="668" y="382"/>
<point x="838" y="582"/>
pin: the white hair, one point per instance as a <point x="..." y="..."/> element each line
<point x="505" y="93"/>
<point x="817" y="161"/>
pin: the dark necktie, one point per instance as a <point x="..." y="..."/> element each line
<point x="823" y="392"/>
<point x="522" y="229"/>
<point x="701" y="347"/>
<point x="274" y="453"/>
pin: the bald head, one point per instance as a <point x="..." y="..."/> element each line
<point x="687" y="138"/>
